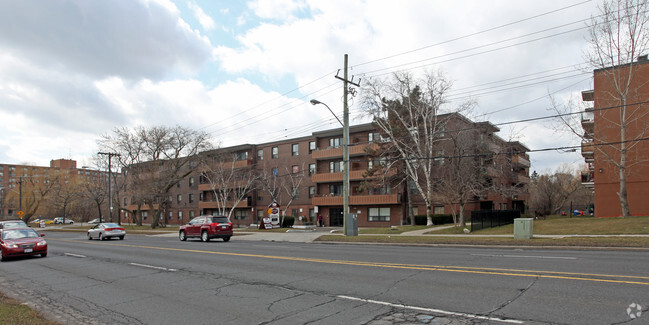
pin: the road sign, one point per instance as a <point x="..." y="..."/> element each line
<point x="20" y="213"/>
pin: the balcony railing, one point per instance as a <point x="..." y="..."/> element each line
<point x="228" y="204"/>
<point x="521" y="161"/>
<point x="382" y="199"/>
<point x="587" y="149"/>
<point x="329" y="153"/>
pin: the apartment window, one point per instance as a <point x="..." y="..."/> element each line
<point x="191" y="214"/>
<point x="180" y="215"/>
<point x="191" y="198"/>
<point x="383" y="190"/>
<point x="241" y="155"/>
<point x="311" y="146"/>
<point x="260" y="215"/>
<point x="240" y="214"/>
<point x="295" y="149"/>
<point x="336" y="166"/>
<point x="125" y="201"/>
<point x="145" y="214"/>
<point x="311" y="169"/>
<point x="180" y="183"/>
<point x="275" y="152"/>
<point x="171" y="214"/>
<point x="439" y="159"/>
<point x="260" y="154"/>
<point x="294" y="212"/>
<point x="179" y="198"/>
<point x="295" y="169"/>
<point x="335" y="189"/>
<point x="438" y="209"/>
<point x="335" y="142"/>
<point x="201" y="196"/>
<point x="378" y="214"/>
<point x="296" y="192"/>
<point x="191" y="181"/>
<point x="311" y="191"/>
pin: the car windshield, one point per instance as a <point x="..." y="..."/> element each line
<point x="19" y="233"/>
<point x="13" y="224"/>
<point x="220" y="219"/>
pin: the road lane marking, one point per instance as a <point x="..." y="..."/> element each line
<point x="153" y="267"/>
<point x="432" y="310"/>
<point x="527" y="256"/>
<point x="607" y="278"/>
<point x="75" y="255"/>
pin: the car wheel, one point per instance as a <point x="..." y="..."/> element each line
<point x="121" y="237"/>
<point x="89" y="237"/>
<point x="181" y="236"/>
<point x="226" y="238"/>
<point x="101" y="237"/>
<point x="44" y="255"/>
<point x="204" y="236"/>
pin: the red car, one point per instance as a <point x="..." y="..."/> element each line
<point x="206" y="228"/>
<point x="21" y="242"/>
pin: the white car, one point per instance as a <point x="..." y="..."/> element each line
<point x="105" y="231"/>
<point x="61" y="221"/>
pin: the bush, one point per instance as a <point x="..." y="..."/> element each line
<point x="438" y="219"/>
<point x="288" y="222"/>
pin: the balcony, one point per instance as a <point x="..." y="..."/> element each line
<point x="208" y="186"/>
<point x="331" y="153"/>
<point x="357" y="200"/>
<point x="521" y="161"/>
<point x="354" y="175"/>
<point x="588" y="150"/>
<point x="228" y="204"/>
<point x="588" y="180"/>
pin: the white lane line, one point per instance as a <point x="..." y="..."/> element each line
<point x="527" y="256"/>
<point x="74" y="255"/>
<point x="153" y="267"/>
<point x="432" y="310"/>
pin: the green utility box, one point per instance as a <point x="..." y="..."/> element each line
<point x="523" y="228"/>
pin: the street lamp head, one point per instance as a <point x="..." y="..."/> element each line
<point x="315" y="102"/>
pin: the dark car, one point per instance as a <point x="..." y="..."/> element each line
<point x="21" y="242"/>
<point x="206" y="228"/>
<point x="105" y="231"/>
<point x="13" y="224"/>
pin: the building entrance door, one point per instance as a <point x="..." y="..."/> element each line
<point x="335" y="217"/>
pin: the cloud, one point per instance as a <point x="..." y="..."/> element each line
<point x="129" y="39"/>
<point x="206" y="21"/>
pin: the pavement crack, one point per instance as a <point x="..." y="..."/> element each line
<point x="520" y="294"/>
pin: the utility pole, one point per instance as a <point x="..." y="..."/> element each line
<point x="110" y="180"/>
<point x="350" y="227"/>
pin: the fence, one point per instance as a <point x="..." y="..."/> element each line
<point x="482" y="219"/>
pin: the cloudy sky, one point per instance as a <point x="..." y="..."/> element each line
<point x="72" y="70"/>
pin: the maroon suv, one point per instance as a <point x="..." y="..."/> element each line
<point x="206" y="228"/>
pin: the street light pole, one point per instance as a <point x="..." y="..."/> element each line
<point x="110" y="180"/>
<point x="346" y="164"/>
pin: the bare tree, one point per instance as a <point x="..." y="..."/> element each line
<point x="617" y="37"/>
<point x="65" y="192"/>
<point x="155" y="159"/>
<point x="282" y="188"/>
<point x="462" y="170"/>
<point x="550" y="192"/>
<point x="407" y="111"/>
<point x="229" y="184"/>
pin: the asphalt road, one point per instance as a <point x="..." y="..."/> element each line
<point x="160" y="280"/>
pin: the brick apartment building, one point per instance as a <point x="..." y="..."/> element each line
<point x="319" y="157"/>
<point x="31" y="177"/>
<point x="601" y="124"/>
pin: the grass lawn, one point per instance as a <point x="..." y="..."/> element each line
<point x="638" y="242"/>
<point x="13" y="312"/>
<point x="557" y="225"/>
